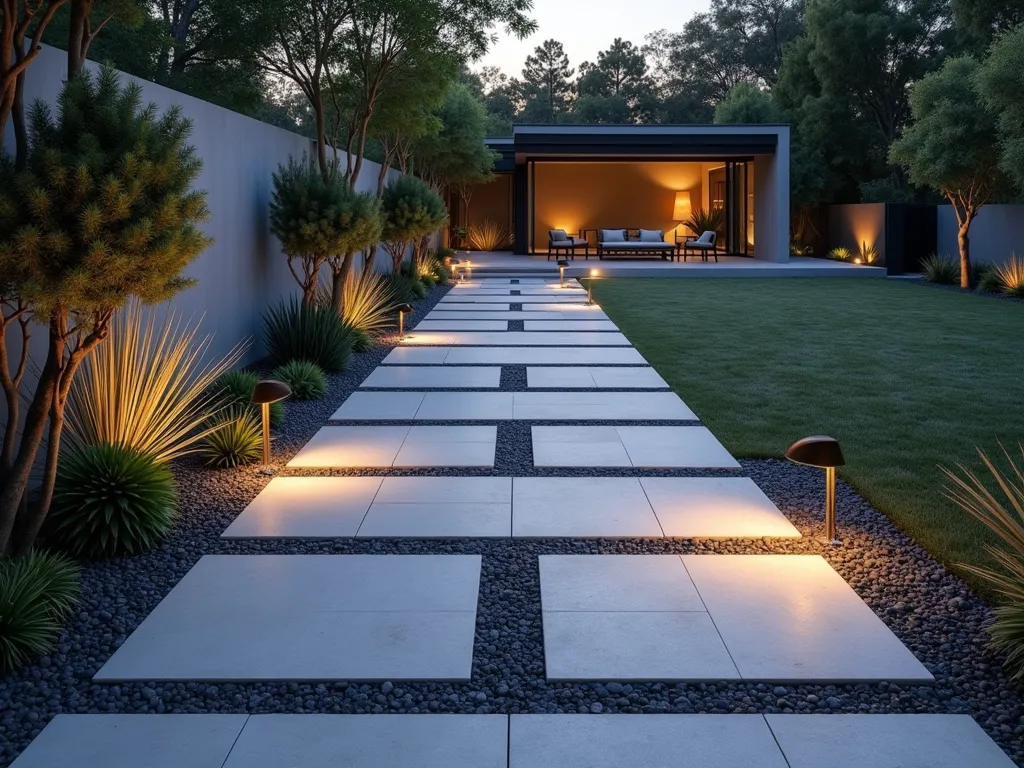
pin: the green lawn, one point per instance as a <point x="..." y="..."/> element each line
<point x="907" y="377"/>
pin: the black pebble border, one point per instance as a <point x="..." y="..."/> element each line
<point x="928" y="608"/>
<point x="966" y="291"/>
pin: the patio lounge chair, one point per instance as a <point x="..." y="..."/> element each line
<point x="703" y="245"/>
<point x="650" y="242"/>
<point x="559" y="240"/>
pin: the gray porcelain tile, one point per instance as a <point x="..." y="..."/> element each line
<point x="434" y="377"/>
<point x="379" y="406"/>
<point x="344" y="447"/>
<point x="623" y="583"/>
<point x="543" y="356"/>
<point x="569" y="325"/>
<point x="581" y="507"/>
<point x="653" y="406"/>
<point x="461" y="325"/>
<point x="694" y="447"/>
<point x="408" y="355"/>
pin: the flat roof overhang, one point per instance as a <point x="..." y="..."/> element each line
<point x="581" y="142"/>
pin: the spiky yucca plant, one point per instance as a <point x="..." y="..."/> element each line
<point x="488" y="235"/>
<point x="292" y="331"/>
<point x="38" y="591"/>
<point x="306" y="380"/>
<point x="941" y="269"/>
<point x="236" y="439"/>
<point x="111" y="500"/>
<point x="148" y="387"/>
<point x="368" y="304"/>
<point x="840" y="253"/>
<point x="1003" y="514"/>
<point x="1011" y="276"/>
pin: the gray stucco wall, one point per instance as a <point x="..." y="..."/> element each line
<point x="244" y="270"/>
<point x="995" y="234"/>
<point x="857" y="225"/>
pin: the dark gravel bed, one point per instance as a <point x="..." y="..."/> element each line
<point x="968" y="291"/>
<point x="928" y="608"/>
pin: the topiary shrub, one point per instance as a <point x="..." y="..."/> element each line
<point x="111" y="500"/>
<point x="37" y="593"/>
<point x="307" y="380"/>
<point x="235" y="388"/>
<point x="292" y="331"/>
<point x="941" y="269"/>
<point x="410" y="210"/>
<point x="236" y="439"/>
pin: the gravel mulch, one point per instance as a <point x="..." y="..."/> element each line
<point x="928" y="608"/>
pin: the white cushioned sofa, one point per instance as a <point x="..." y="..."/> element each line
<point x="647" y="243"/>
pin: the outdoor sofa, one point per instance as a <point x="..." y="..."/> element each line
<point x="648" y="242"/>
<point x="559" y="240"/>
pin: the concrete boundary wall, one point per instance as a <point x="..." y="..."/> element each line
<point x="996" y="233"/>
<point x="244" y="271"/>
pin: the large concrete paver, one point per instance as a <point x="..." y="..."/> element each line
<point x="342" y="447"/>
<point x="670" y="447"/>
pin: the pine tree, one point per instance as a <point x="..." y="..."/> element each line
<point x="547" y="78"/>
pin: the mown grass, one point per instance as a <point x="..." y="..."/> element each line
<point x="907" y="377"/>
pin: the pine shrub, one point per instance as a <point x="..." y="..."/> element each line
<point x="307" y="380"/>
<point x="38" y="591"/>
<point x="111" y="500"/>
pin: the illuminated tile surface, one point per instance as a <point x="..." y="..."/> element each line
<point x="569" y="325"/>
<point x="567" y="338"/>
<point x="541" y="356"/>
<point x="600" y="446"/>
<point x="309" y="617"/>
<point x="595" y="377"/>
<point x="399" y="446"/>
<point x="586" y="507"/>
<point x="436" y="376"/>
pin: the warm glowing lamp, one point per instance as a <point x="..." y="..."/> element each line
<point x="469" y="269"/>
<point x="822" y="452"/>
<point x="683" y="206"/>
<point x="562" y="264"/>
<point x="264" y="395"/>
<point x="403" y="310"/>
<point x="590" y="286"/>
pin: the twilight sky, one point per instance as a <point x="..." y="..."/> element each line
<point x="585" y="27"/>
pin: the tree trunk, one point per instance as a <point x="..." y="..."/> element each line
<point x="368" y="259"/>
<point x="964" y="242"/>
<point x="78" y="36"/>
<point x="20" y="129"/>
<point x="321" y="135"/>
<point x="339" y="274"/>
<point x="309" y="293"/>
<point x="360" y="149"/>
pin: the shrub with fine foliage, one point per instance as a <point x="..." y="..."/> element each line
<point x="37" y="593"/>
<point x="307" y="380"/>
<point x="292" y="331"/>
<point x="235" y="388"/>
<point x="940" y="269"/>
<point x="111" y="500"/>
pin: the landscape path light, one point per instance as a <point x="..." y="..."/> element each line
<point x="822" y="452"/>
<point x="265" y="394"/>
<point x="562" y="264"/>
<point x="403" y="310"/>
<point x="590" y="285"/>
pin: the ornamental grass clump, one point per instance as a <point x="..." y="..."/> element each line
<point x="38" y="592"/>
<point x="148" y="387"/>
<point x="941" y="269"/>
<point x="111" y="500"/>
<point x="489" y="235"/>
<point x="306" y="380"/>
<point x="841" y="253"/>
<point x="368" y="304"/>
<point x="1002" y="512"/>
<point x="235" y="388"/>
<point x="1011" y="276"/>
<point x="236" y="438"/>
<point x="293" y="331"/>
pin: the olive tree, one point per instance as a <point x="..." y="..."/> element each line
<point x="102" y="210"/>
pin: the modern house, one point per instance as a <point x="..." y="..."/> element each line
<point x="583" y="178"/>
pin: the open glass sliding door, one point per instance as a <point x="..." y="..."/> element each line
<point x="736" y="200"/>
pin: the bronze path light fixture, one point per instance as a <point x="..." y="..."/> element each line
<point x="562" y="264"/>
<point x="403" y="310"/>
<point x="822" y="452"/>
<point x="590" y="286"/>
<point x="266" y="393"/>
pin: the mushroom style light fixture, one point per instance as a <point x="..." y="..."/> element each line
<point x="822" y="452"/>
<point x="562" y="264"/>
<point x="266" y="393"/>
<point x="590" y="286"/>
<point x="403" y="310"/>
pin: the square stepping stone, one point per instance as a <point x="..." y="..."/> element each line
<point x="379" y="406"/>
<point x="448" y="447"/>
<point x="791" y="619"/>
<point x="569" y="325"/>
<point x="433" y="377"/>
<point x="429" y="324"/>
<point x="309" y="617"/>
<point x="578" y="447"/>
<point x="306" y="507"/>
<point x="554" y="377"/>
<point x="885" y="741"/>
<point x="132" y="741"/>
<point x="715" y="508"/>
<point x="465" y="406"/>
<point x="343" y="447"/>
<point x="654" y="741"/>
<point x="372" y="741"/>
<point x="516" y="339"/>
<point x="611" y="406"/>
<point x="440" y="507"/>
<point x="624" y="583"/>
<point x="407" y="355"/>
<point x="636" y="646"/>
<point x="581" y="507"/>
<point x="675" y="447"/>
<point x="542" y="356"/>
